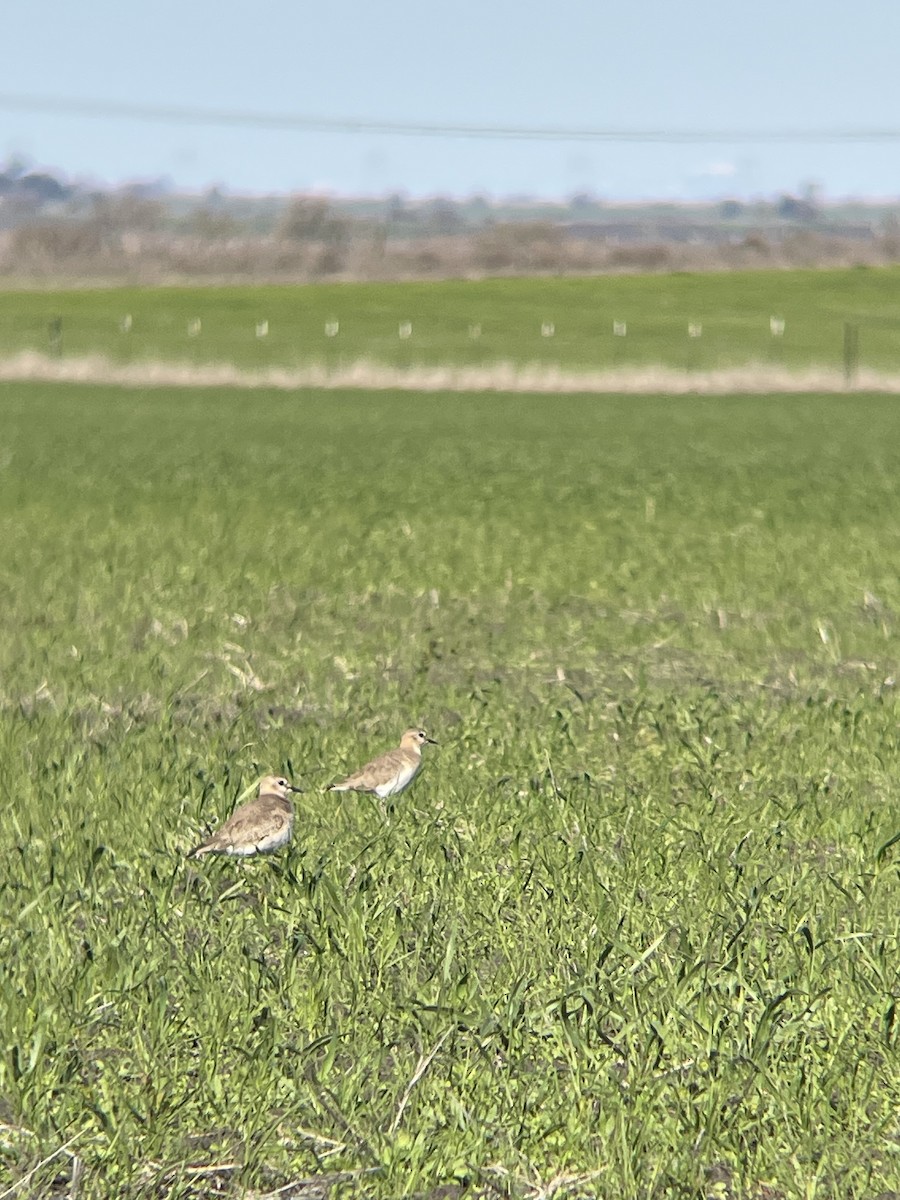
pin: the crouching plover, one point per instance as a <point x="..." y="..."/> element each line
<point x="258" y="827"/>
<point x="391" y="772"/>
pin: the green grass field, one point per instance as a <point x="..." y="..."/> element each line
<point x="634" y="930"/>
<point x="733" y="311"/>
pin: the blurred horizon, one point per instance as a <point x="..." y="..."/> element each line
<point x="166" y="184"/>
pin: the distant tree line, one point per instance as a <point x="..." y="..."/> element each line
<point x="50" y="229"/>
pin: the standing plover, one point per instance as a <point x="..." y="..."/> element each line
<point x="391" y="772"/>
<point x="258" y="827"/>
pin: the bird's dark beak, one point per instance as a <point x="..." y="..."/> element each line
<point x="431" y="741"/>
<point x="296" y="789"/>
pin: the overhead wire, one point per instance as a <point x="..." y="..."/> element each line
<point x="311" y="123"/>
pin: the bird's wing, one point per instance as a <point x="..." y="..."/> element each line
<point x="253" y="822"/>
<point x="256" y="821"/>
<point x="376" y="772"/>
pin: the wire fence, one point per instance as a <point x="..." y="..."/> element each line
<point x="172" y="336"/>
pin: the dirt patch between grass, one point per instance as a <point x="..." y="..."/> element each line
<point x="366" y="375"/>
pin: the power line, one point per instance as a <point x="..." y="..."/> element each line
<point x="185" y="115"/>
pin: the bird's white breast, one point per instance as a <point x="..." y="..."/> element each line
<point x="402" y="779"/>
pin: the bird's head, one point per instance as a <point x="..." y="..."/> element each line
<point x="414" y="738"/>
<point x="276" y="785"/>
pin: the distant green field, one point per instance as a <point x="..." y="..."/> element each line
<point x="732" y="311"/>
<point x="633" y="932"/>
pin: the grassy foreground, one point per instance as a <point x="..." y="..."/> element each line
<point x="478" y="323"/>
<point x="634" y="930"/>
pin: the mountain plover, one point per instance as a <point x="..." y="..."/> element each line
<point x="391" y="772"/>
<point x="257" y="827"/>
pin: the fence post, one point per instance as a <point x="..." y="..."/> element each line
<point x="54" y="335"/>
<point x="851" y="353"/>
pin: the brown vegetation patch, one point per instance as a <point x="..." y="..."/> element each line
<point x="368" y="375"/>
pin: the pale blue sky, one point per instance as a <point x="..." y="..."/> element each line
<point x="636" y="64"/>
